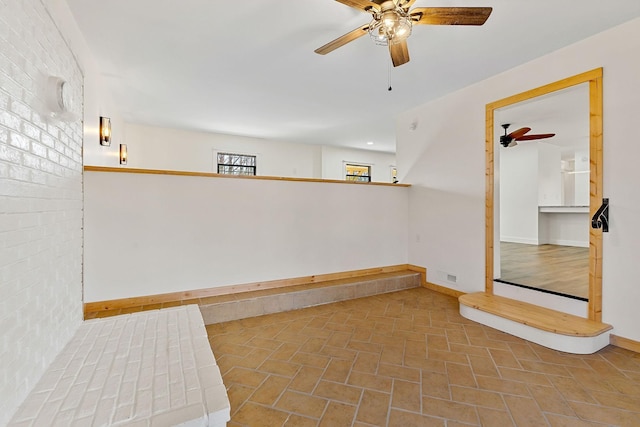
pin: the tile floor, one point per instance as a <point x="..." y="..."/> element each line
<point x="409" y="359"/>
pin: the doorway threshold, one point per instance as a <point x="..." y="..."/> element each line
<point x="541" y="325"/>
<point x="546" y="291"/>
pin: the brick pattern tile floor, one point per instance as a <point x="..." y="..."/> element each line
<point x="409" y="359"/>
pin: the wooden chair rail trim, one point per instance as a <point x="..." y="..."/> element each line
<point x="535" y="316"/>
<point x="217" y="175"/>
<point x="625" y="343"/>
<point x="138" y="301"/>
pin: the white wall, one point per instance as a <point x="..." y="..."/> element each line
<point x="40" y="202"/>
<point x="566" y="229"/>
<point x="152" y="147"/>
<point x="431" y="157"/>
<point x="152" y="234"/>
<point x="581" y="180"/>
<point x="519" y="181"/>
<point x="549" y="175"/>
<point x="97" y="98"/>
<point x="335" y="158"/>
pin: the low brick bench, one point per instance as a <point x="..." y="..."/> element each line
<point x="153" y="368"/>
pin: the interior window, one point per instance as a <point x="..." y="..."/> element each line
<point x="236" y="164"/>
<point x="358" y="173"/>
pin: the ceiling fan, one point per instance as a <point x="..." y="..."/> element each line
<point x="509" y="140"/>
<point x="393" y="20"/>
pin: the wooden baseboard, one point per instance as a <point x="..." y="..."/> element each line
<point x="433" y="286"/>
<point x="122" y="303"/>
<point x="443" y="289"/>
<point x="625" y="343"/>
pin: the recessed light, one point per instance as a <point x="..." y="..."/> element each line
<point x="370" y="143"/>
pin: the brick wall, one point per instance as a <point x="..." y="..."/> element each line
<point x="40" y="202"/>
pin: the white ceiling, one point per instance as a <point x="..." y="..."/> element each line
<point x="248" y="67"/>
<point x="565" y="113"/>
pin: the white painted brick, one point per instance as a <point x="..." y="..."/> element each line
<point x="63" y="418"/>
<point x="99" y="379"/>
<point x="10" y="120"/>
<point x="130" y="392"/>
<point x="104" y="410"/>
<point x="47" y="412"/>
<point x="145" y="381"/>
<point x="74" y="397"/>
<point x="48" y="300"/>
<point x="84" y="422"/>
<point x="32" y="162"/>
<point x="17" y="107"/>
<point x="123" y="413"/>
<point x="160" y="403"/>
<point x="217" y="401"/>
<point x="38" y="149"/>
<point x="127" y="392"/>
<point x="144" y="404"/>
<point x="4" y="97"/>
<point x="19" y="173"/>
<point x="20" y="141"/>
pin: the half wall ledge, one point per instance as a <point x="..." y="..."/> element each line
<point x="224" y="176"/>
<point x="549" y="328"/>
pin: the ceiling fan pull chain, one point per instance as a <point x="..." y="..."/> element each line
<point x="389" y="78"/>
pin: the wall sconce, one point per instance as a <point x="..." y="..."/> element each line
<point x="123" y="154"/>
<point x="105" y="131"/>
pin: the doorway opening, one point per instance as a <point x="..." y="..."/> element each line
<point x="550" y="213"/>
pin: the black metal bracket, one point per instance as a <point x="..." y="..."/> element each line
<point x="601" y="217"/>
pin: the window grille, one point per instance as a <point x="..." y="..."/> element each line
<point x="361" y="173"/>
<point x="236" y="164"/>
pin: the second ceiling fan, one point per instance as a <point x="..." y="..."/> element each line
<point x="510" y="140"/>
<point x="393" y="20"/>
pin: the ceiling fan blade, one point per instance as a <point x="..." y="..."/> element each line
<point x="363" y="5"/>
<point x="516" y="134"/>
<point x="538" y="136"/>
<point x="342" y="40"/>
<point x="450" y="15"/>
<point x="399" y="53"/>
<point x="405" y="4"/>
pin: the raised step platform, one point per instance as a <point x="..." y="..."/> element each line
<point x="225" y="308"/>
<point x="550" y="328"/>
<point x="154" y="368"/>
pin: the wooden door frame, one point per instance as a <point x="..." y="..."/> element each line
<point x="594" y="78"/>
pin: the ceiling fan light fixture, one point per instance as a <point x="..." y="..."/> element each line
<point x="390" y="27"/>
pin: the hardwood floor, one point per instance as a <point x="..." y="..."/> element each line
<point x="563" y="269"/>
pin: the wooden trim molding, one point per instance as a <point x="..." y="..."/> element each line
<point x="535" y="316"/>
<point x="625" y="343"/>
<point x="124" y="303"/>
<point x="421" y="270"/>
<point x="594" y="79"/>
<point x="443" y="290"/>
<point x="217" y="175"/>
<point x="234" y="289"/>
<point x="432" y="286"/>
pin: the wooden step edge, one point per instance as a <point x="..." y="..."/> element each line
<point x="326" y="284"/>
<point x="534" y="316"/>
<point x="192" y="296"/>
